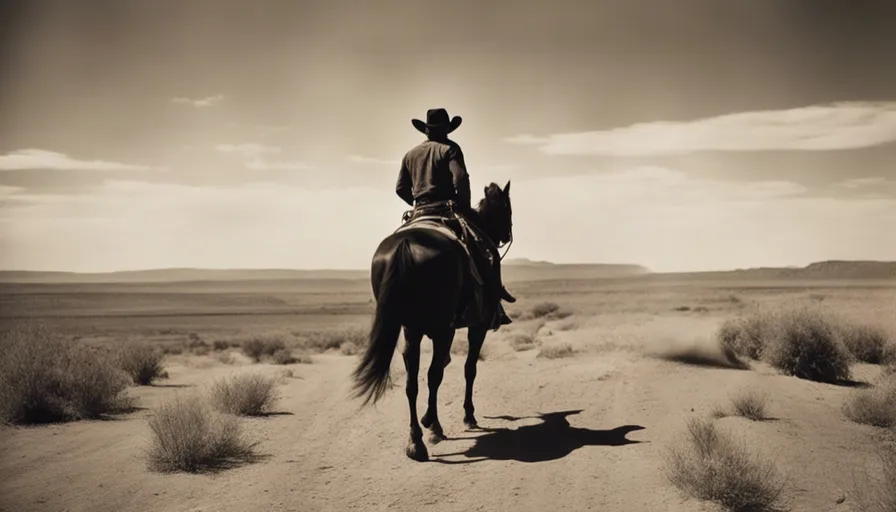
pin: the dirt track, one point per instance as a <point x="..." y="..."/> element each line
<point x="324" y="453"/>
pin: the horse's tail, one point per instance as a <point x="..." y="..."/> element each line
<point x="371" y="376"/>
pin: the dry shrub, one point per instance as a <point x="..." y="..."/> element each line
<point x="877" y="493"/>
<point x="337" y="338"/>
<point x="867" y="343"/>
<point x="750" y="405"/>
<point x="556" y="351"/>
<point x="714" y="467"/>
<point x="461" y="347"/>
<point x="522" y="341"/>
<point x="748" y="335"/>
<point x="189" y="436"/>
<point x="546" y="311"/>
<point x="44" y="378"/>
<point x="807" y="346"/>
<point x="244" y="395"/>
<point x="875" y="406"/>
<point x="283" y="356"/>
<point x="142" y="361"/>
<point x="225" y="358"/>
<point x="259" y="348"/>
<point x="220" y="345"/>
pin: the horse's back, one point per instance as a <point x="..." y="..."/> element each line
<point x="433" y="268"/>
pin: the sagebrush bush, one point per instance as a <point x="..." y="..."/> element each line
<point x="337" y="338"/>
<point x="875" y="406"/>
<point x="556" y="351"/>
<point x="45" y="378"/>
<point x="283" y="356"/>
<point x="522" y="341"/>
<point x="244" y="395"/>
<point x="546" y="311"/>
<point x="867" y="343"/>
<point x="142" y="361"/>
<point x="259" y="348"/>
<point x="747" y="336"/>
<point x="808" y="346"/>
<point x="713" y="467"/>
<point x="187" y="435"/>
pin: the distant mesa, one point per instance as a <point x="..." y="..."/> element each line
<point x="517" y="269"/>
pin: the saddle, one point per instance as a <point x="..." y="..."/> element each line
<point x="443" y="218"/>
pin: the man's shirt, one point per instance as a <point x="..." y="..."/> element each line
<point x="434" y="170"/>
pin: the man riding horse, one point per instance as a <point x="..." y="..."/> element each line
<point x="433" y="179"/>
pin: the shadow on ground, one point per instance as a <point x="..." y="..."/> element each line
<point x="552" y="439"/>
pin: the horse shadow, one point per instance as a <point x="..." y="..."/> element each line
<point x="552" y="439"/>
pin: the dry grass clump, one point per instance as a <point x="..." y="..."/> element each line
<point x="522" y="341"/>
<point x="283" y="356"/>
<point x="45" y="378"/>
<point x="556" y="351"/>
<point x="868" y="343"/>
<point x="244" y="395"/>
<point x="142" y="361"/>
<point x="875" y="406"/>
<point x="187" y="435"/>
<point x="348" y="340"/>
<point x="714" y="467"/>
<point x="461" y="347"/>
<point x="259" y="348"/>
<point x="751" y="405"/>
<point x="545" y="310"/>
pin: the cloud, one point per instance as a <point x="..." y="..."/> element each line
<point x="250" y="149"/>
<point x="663" y="218"/>
<point x="200" y="102"/>
<point x="259" y="164"/>
<point x="253" y="156"/>
<point x="360" y="159"/>
<point x="836" y="126"/>
<point x="42" y="159"/>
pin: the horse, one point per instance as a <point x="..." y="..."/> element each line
<point x="421" y="279"/>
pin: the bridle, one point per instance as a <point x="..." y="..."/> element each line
<point x="508" y="244"/>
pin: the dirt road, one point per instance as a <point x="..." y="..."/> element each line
<point x="322" y="452"/>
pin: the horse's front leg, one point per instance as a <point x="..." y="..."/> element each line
<point x="476" y="336"/>
<point x="416" y="449"/>
<point x="441" y="348"/>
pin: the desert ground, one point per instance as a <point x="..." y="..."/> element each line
<point x="578" y="403"/>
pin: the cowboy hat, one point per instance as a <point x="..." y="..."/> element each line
<point x="437" y="118"/>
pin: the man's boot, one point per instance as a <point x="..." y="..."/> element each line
<point x="504" y="294"/>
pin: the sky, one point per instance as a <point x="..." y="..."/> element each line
<point x="267" y="134"/>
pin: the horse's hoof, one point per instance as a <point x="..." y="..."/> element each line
<point x="436" y="436"/>
<point x="471" y="423"/>
<point x="417" y="451"/>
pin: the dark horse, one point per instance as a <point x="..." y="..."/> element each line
<point x="421" y="281"/>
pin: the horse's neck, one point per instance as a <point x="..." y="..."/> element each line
<point x="483" y="222"/>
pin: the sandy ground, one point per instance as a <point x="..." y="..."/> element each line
<point x="323" y="452"/>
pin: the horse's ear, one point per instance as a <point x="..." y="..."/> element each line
<point x="507" y="188"/>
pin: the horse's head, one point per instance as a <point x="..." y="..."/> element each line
<point x="496" y="213"/>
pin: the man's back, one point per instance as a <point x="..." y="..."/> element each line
<point x="434" y="170"/>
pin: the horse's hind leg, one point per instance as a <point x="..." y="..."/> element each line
<point x="476" y="336"/>
<point x="441" y="349"/>
<point x="416" y="449"/>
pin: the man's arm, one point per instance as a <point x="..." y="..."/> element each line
<point x="404" y="186"/>
<point x="459" y="175"/>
